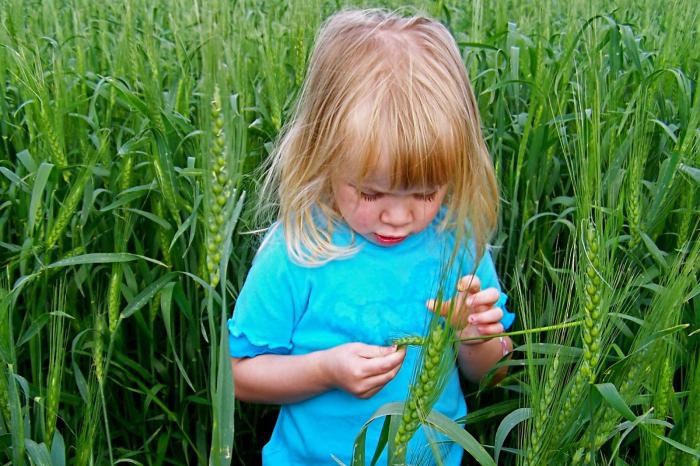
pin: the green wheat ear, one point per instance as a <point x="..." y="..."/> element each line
<point x="58" y="336"/>
<point x="220" y="190"/>
<point x="424" y="392"/>
<point x="540" y="418"/>
<point x="4" y="347"/>
<point x="409" y="340"/>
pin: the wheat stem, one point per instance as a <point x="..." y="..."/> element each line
<point x="422" y="393"/>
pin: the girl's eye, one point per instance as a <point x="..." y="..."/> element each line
<point x="370" y="197"/>
<point x="427" y="197"/>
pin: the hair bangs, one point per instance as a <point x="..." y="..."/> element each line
<point x="403" y="134"/>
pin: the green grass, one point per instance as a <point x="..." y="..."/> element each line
<point x="107" y="148"/>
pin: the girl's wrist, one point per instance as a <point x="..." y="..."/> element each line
<point x="505" y="346"/>
<point x="469" y="339"/>
<point x="326" y="366"/>
<point x="477" y="360"/>
<point x="503" y="342"/>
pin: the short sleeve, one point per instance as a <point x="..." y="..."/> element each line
<point x="270" y="303"/>
<point x="486" y="271"/>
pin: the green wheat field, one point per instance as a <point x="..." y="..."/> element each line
<point x="130" y="138"/>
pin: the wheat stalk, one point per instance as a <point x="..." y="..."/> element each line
<point x="74" y="196"/>
<point x="98" y="349"/>
<point x="57" y="342"/>
<point x="633" y="197"/>
<point x="4" y="396"/>
<point x="409" y="340"/>
<point x="114" y="297"/>
<point x="591" y="332"/>
<point x="662" y="398"/>
<point x="692" y="431"/>
<point x="5" y="344"/>
<point x="162" y="235"/>
<point x="542" y="414"/>
<point x="593" y="317"/>
<point x="220" y="191"/>
<point x="85" y="442"/>
<point x="126" y="172"/>
<point x="422" y="394"/>
<point x="58" y="156"/>
<point x="68" y="208"/>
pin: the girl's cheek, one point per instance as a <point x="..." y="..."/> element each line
<point x="363" y="218"/>
<point x="428" y="212"/>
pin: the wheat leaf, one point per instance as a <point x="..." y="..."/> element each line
<point x="58" y="450"/>
<point x="38" y="452"/>
<point x="101" y="258"/>
<point x="146" y="295"/>
<point x="610" y="394"/>
<point x="506" y="425"/>
<point x="40" y="179"/>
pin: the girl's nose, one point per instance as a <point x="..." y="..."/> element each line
<point x="397" y="213"/>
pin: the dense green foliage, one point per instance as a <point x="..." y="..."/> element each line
<point x="129" y="139"/>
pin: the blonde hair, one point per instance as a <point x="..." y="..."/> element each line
<point x="381" y="84"/>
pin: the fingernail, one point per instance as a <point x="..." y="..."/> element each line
<point x="393" y="348"/>
<point x="472" y="319"/>
<point x="470" y="301"/>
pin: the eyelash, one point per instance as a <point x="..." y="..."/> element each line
<point x="369" y="197"/>
<point x="430" y="197"/>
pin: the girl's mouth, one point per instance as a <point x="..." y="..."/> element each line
<point x="388" y="240"/>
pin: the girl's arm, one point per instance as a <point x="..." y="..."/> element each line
<point x="475" y="360"/>
<point x="357" y="368"/>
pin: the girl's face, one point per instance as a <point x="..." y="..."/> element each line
<point x="382" y="215"/>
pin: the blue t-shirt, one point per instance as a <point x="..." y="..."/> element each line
<point x="372" y="297"/>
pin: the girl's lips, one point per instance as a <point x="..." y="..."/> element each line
<point x="389" y="240"/>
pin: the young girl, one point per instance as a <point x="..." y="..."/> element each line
<point x="381" y="178"/>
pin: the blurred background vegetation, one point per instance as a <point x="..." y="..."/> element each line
<point x="130" y="135"/>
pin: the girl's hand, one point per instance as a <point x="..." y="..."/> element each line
<point x="362" y="370"/>
<point x="474" y="314"/>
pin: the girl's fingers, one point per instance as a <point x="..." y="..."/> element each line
<point x="385" y="363"/>
<point x="431" y="303"/>
<point x="480" y="309"/>
<point x="377" y="382"/>
<point x="469" y="283"/>
<point x="469" y="302"/>
<point x="487" y="297"/>
<point x="444" y="307"/>
<point x="373" y="351"/>
<point x="460" y="312"/>
<point x="491" y="329"/>
<point x="490" y="316"/>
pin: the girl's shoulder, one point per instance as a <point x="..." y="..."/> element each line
<point x="272" y="251"/>
<point x="273" y="237"/>
<point x="273" y="245"/>
<point x="273" y="263"/>
<point x="275" y="249"/>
